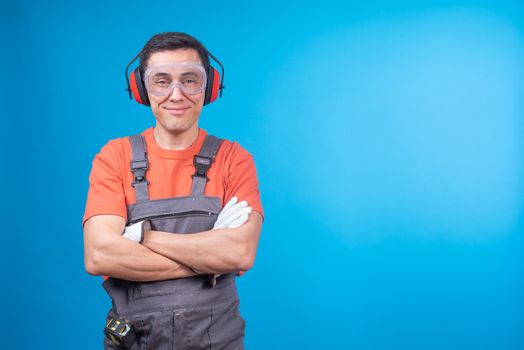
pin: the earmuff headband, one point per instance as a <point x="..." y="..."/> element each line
<point x="128" y="88"/>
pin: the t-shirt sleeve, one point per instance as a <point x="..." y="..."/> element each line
<point x="106" y="190"/>
<point x="241" y="180"/>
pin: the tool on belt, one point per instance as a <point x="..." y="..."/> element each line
<point x="120" y="332"/>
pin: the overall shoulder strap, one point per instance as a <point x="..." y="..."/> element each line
<point x="203" y="161"/>
<point x="139" y="165"/>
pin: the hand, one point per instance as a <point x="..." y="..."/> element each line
<point x="135" y="232"/>
<point x="233" y="215"/>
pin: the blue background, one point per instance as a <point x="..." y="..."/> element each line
<point x="388" y="138"/>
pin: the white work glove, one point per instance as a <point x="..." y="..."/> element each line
<point x="135" y="232"/>
<point x="233" y="215"/>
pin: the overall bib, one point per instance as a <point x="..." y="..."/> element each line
<point x="185" y="313"/>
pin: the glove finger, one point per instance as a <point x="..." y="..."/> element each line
<point x="232" y="201"/>
<point x="238" y="222"/>
<point x="218" y="225"/>
<point x="239" y="217"/>
<point x="227" y="220"/>
<point x="224" y="210"/>
<point x="133" y="232"/>
<point x="234" y="208"/>
<point x="236" y="216"/>
<point x="226" y="214"/>
<point x="133" y="229"/>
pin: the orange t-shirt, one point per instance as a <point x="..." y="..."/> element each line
<point x="169" y="174"/>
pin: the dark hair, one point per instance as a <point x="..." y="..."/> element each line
<point x="172" y="41"/>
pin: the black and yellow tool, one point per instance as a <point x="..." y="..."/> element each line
<point x="120" y="332"/>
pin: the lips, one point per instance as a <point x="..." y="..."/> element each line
<point x="176" y="110"/>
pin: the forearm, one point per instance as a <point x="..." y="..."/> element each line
<point x="216" y="251"/>
<point x="208" y="252"/>
<point x="115" y="256"/>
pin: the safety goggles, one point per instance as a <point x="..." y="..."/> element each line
<point x="162" y="78"/>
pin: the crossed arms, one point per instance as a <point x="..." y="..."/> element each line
<point x="164" y="255"/>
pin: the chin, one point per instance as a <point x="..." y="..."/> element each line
<point x="176" y="127"/>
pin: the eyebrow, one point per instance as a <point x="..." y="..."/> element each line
<point x="189" y="73"/>
<point x="169" y="75"/>
<point x="161" y="74"/>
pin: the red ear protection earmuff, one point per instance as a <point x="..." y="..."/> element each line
<point x="138" y="92"/>
<point x="137" y="89"/>
<point x="213" y="86"/>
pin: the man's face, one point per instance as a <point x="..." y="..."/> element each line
<point x="177" y="112"/>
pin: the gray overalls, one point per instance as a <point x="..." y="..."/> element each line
<point x="185" y="313"/>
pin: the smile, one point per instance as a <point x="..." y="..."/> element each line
<point x="176" y="110"/>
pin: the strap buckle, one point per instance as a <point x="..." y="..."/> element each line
<point x="202" y="165"/>
<point x="139" y="168"/>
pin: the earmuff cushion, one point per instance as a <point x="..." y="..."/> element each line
<point x="212" y="86"/>
<point x="216" y="86"/>
<point x="133" y="87"/>
<point x="141" y="87"/>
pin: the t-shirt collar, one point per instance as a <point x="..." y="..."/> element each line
<point x="153" y="147"/>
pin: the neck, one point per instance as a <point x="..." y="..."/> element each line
<point x="175" y="140"/>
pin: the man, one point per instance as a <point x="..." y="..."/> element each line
<point x="171" y="289"/>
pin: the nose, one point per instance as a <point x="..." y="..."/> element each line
<point x="176" y="94"/>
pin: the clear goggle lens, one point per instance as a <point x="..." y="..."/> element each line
<point x="162" y="78"/>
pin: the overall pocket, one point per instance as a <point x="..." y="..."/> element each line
<point x="228" y="327"/>
<point x="191" y="328"/>
<point x="154" y="331"/>
<point x="184" y="223"/>
<point x="178" y="329"/>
